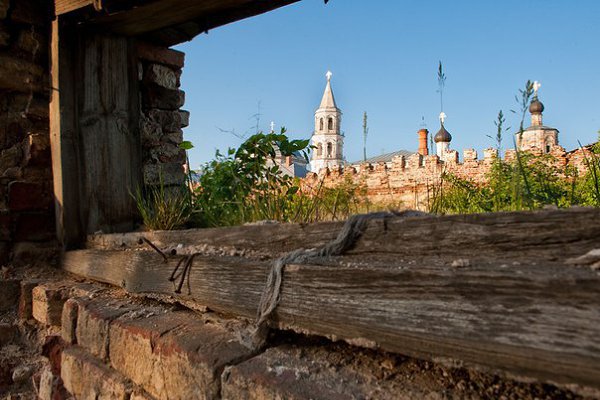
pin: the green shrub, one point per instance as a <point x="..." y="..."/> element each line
<point x="164" y="208"/>
<point x="528" y="183"/>
<point x="246" y="184"/>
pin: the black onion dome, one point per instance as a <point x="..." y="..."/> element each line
<point x="536" y="106"/>
<point x="442" y="136"/>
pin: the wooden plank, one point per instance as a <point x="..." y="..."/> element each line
<point x="65" y="6"/>
<point x="165" y="22"/>
<point x="64" y="138"/>
<point x="532" y="320"/>
<point x="189" y="29"/>
<point x="516" y="307"/>
<point x="109" y="137"/>
<point x="94" y="135"/>
<point x="546" y="235"/>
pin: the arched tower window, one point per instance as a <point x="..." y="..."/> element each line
<point x="329" y="149"/>
<point x="319" y="150"/>
<point x="330" y="124"/>
<point x="321" y="124"/>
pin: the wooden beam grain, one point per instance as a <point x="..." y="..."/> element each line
<point x="163" y="22"/>
<point x="66" y="6"/>
<point x="514" y="306"/>
<point x="535" y="321"/>
<point x="546" y="235"/>
<point x="64" y="137"/>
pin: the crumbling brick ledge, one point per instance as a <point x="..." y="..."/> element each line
<point x="110" y="345"/>
<point x="511" y="296"/>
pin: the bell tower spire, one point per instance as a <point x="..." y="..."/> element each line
<point x="327" y="139"/>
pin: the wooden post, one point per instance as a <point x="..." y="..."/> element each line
<point x="64" y="135"/>
<point x="96" y="151"/>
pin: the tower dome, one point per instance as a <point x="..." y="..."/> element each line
<point x="536" y="106"/>
<point x="442" y="135"/>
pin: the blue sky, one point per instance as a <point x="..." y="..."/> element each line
<point x="384" y="57"/>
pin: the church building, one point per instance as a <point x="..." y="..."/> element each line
<point x="537" y="136"/>
<point x="327" y="139"/>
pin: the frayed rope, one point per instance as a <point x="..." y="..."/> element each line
<point x="346" y="238"/>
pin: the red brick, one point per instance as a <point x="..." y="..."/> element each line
<point x="37" y="149"/>
<point x="93" y="321"/>
<point x="52" y="349"/>
<point x="155" y="96"/>
<point x="69" y="321"/>
<point x="87" y="378"/>
<point x="173" y="355"/>
<point x="51" y="387"/>
<point x="48" y="301"/>
<point x="26" y="299"/>
<point x="161" y="55"/>
<point x="161" y="75"/>
<point x="23" y="196"/>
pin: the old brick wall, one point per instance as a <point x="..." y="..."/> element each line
<point x="26" y="201"/>
<point x="101" y="343"/>
<point x="27" y="221"/>
<point x="409" y="182"/>
<point x="161" y="119"/>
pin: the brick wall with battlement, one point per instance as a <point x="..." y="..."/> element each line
<point x="410" y="181"/>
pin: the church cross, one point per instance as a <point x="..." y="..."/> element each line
<point x="442" y="117"/>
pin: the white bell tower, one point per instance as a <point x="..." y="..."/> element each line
<point x="327" y="140"/>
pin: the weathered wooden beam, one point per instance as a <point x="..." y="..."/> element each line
<point x="94" y="134"/>
<point x="513" y="306"/>
<point x="536" y="321"/>
<point x="65" y="6"/>
<point x="546" y="235"/>
<point x="109" y="141"/>
<point x="64" y="137"/>
<point x="164" y="22"/>
<point x="187" y="30"/>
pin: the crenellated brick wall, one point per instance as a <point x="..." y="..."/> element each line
<point x="26" y="200"/>
<point x="410" y="181"/>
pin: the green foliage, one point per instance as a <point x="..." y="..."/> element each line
<point x="523" y="99"/>
<point x="528" y="183"/>
<point x="589" y="188"/>
<point x="164" y="208"/>
<point x="499" y="122"/>
<point x="335" y="203"/>
<point x="186" y="145"/>
<point x="247" y="184"/>
<point x="441" y="77"/>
